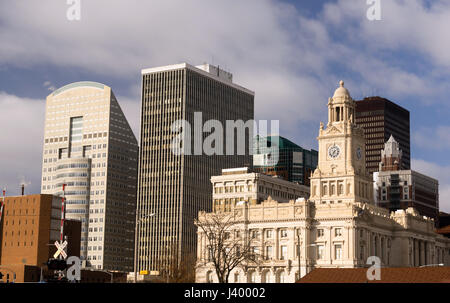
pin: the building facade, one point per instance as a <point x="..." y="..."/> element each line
<point x="175" y="186"/>
<point x="381" y="118"/>
<point x="339" y="226"/>
<point x="291" y="162"/>
<point x="90" y="147"/>
<point x="400" y="189"/>
<point x="29" y="227"/>
<point x="241" y="184"/>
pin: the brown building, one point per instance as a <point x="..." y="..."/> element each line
<point x="381" y="119"/>
<point x="29" y="227"/>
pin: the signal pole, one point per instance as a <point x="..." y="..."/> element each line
<point x="61" y="239"/>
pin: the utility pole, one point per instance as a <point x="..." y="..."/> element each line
<point x="61" y="256"/>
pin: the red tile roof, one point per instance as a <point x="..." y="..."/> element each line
<point x="438" y="274"/>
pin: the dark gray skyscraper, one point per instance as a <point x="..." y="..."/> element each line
<point x="381" y="119"/>
<point x="176" y="187"/>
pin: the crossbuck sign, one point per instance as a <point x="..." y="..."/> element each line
<point x="60" y="250"/>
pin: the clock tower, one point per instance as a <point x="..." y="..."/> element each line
<point x="341" y="175"/>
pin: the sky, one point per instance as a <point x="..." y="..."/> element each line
<point x="291" y="53"/>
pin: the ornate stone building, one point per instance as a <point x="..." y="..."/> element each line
<point x="339" y="226"/>
<point x="242" y="184"/>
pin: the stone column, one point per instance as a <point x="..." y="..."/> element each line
<point x="330" y="244"/>
<point x="277" y="244"/>
<point x="262" y="238"/>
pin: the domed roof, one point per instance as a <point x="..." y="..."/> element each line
<point x="341" y="91"/>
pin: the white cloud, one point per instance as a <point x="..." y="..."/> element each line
<point x="292" y="62"/>
<point x="22" y="124"/>
<point x="434" y="139"/>
<point x="439" y="172"/>
<point x="254" y="39"/>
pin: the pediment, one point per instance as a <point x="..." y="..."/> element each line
<point x="332" y="130"/>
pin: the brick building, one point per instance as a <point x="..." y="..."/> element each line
<point x="29" y="226"/>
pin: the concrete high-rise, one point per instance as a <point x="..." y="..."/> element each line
<point x="381" y="119"/>
<point x="175" y="187"/>
<point x="90" y="147"/>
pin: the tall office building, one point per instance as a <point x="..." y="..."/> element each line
<point x="381" y="118"/>
<point x="90" y="147"/>
<point x="399" y="189"/>
<point x="292" y="162"/>
<point x="173" y="186"/>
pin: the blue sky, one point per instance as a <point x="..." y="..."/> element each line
<point x="291" y="53"/>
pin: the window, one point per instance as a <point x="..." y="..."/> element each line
<point x="283" y="255"/>
<point x="209" y="278"/>
<point x="252" y="277"/>
<point x="338" y="251"/>
<point x="254" y="252"/>
<point x="269" y="233"/>
<point x="210" y="254"/>
<point x="283" y="233"/>
<point x="268" y="252"/>
<point x="255" y="234"/>
<point x="281" y="277"/>
<point x="338" y="232"/>
<point x="267" y="277"/>
<point x="320" y="233"/>
<point x="320" y="251"/>
<point x="236" y="278"/>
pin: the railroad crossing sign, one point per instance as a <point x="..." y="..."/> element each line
<point x="60" y="250"/>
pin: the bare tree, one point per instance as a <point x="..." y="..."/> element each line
<point x="172" y="270"/>
<point x="227" y="246"/>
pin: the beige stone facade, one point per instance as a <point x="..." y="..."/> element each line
<point x="241" y="184"/>
<point x="339" y="226"/>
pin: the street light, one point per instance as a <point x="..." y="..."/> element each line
<point x="137" y="230"/>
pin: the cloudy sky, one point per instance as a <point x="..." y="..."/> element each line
<point x="292" y="54"/>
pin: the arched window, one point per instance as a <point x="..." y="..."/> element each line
<point x="209" y="278"/>
<point x="236" y="277"/>
<point x="341" y="189"/>
<point x="267" y="277"/>
<point x="251" y="277"/>
<point x="325" y="190"/>
<point x="281" y="277"/>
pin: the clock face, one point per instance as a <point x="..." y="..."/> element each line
<point x="359" y="153"/>
<point x="334" y="151"/>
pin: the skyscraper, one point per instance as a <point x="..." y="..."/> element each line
<point x="293" y="163"/>
<point x="174" y="187"/>
<point x="399" y="189"/>
<point x="90" y="147"/>
<point x="381" y="118"/>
